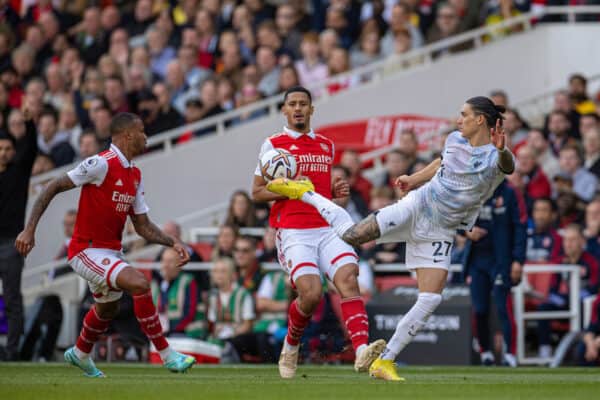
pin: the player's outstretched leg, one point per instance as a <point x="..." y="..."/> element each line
<point x="304" y="190"/>
<point x="93" y="326"/>
<point x="145" y="312"/>
<point x="431" y="283"/>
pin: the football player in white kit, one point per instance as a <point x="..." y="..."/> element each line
<point x="448" y="195"/>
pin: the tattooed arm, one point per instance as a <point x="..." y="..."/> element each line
<point x="149" y="231"/>
<point x="26" y="239"/>
<point x="362" y="232"/>
<point x="153" y="234"/>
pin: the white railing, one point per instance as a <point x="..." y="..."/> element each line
<point x="573" y="314"/>
<point x="372" y="72"/>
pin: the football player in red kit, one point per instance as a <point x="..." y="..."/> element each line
<point x="307" y="247"/>
<point x="112" y="190"/>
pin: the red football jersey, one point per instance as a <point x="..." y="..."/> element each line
<point x="111" y="190"/>
<point x="314" y="157"/>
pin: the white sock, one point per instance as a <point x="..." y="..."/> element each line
<point x="80" y="354"/>
<point x="487" y="355"/>
<point x="545" y="351"/>
<point x="360" y="349"/>
<point x="411" y="324"/>
<point x="336" y="216"/>
<point x="288" y="347"/>
<point x="165" y="353"/>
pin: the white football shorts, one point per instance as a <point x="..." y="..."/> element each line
<point x="100" y="268"/>
<point x="408" y="220"/>
<point x="313" y="251"/>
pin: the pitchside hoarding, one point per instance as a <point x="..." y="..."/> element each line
<point x="445" y="340"/>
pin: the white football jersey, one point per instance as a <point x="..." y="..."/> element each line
<point x="467" y="177"/>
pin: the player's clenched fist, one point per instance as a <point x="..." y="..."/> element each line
<point x="25" y="242"/>
<point x="184" y="256"/>
<point x="405" y="183"/>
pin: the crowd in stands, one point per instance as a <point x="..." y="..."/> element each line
<point x="77" y="63"/>
<point x="74" y="65"/>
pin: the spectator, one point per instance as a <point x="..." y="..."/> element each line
<point x="288" y="78"/>
<point x="56" y="94"/>
<point x="409" y="145"/>
<point x="571" y="164"/>
<point x="568" y="205"/>
<point x="165" y="109"/>
<point x="42" y="164"/>
<point x="591" y="146"/>
<point x="230" y="311"/>
<point x="114" y="92"/>
<point x="226" y="93"/>
<point x="559" y="129"/>
<point x="272" y="302"/>
<point x="225" y="242"/>
<point x="209" y="98"/>
<point x="592" y="227"/>
<point x="269" y="71"/>
<point x="68" y="226"/>
<point x="350" y="159"/>
<point x="249" y="94"/>
<point x="558" y="299"/>
<point x="515" y="128"/>
<point x="53" y="143"/>
<point x="310" y="67"/>
<point x="535" y="183"/>
<point x="188" y="60"/>
<point x="328" y="40"/>
<point x="248" y="268"/>
<point x="499" y="97"/>
<point x="494" y="258"/>
<point x="160" y="53"/>
<point x="589" y="347"/>
<point x="231" y="65"/>
<point x="354" y="203"/>
<point x="563" y="103"/>
<point x="101" y="116"/>
<point x="268" y="251"/>
<point x="546" y="158"/>
<point x="16" y="124"/>
<point x="286" y="21"/>
<point x="88" y="145"/>
<point x="141" y="19"/>
<point x="204" y="24"/>
<point x="578" y="94"/>
<point x="588" y="122"/>
<point x="338" y="63"/>
<point x="368" y="49"/>
<point x="178" y="89"/>
<point x="400" y="24"/>
<point x="241" y="210"/>
<point x="90" y="39"/>
<point x="337" y="19"/>
<point x="149" y="111"/>
<point x="447" y="23"/>
<point x="69" y="125"/>
<point x="178" y="299"/>
<point x="16" y="162"/>
<point x="397" y="163"/>
<point x="543" y="242"/>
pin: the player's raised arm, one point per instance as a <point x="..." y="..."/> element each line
<point x="409" y="182"/>
<point x="153" y="234"/>
<point x="506" y="160"/>
<point x="26" y="239"/>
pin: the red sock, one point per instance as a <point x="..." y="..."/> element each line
<point x="146" y="314"/>
<point x="356" y="320"/>
<point x="297" y="321"/>
<point x="93" y="327"/>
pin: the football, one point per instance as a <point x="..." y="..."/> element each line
<point x="278" y="163"/>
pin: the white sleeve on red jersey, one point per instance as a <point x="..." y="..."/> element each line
<point x="139" y="204"/>
<point x="266" y="146"/>
<point x="92" y="170"/>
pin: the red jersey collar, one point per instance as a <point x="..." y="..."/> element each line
<point x="296" y="134"/>
<point x="124" y="162"/>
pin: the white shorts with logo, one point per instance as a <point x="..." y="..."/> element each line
<point x="312" y="252"/>
<point x="100" y="268"/>
<point x="408" y="220"/>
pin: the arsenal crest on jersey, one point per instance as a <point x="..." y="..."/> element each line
<point x="499" y="202"/>
<point x="106" y="261"/>
<point x="546" y="242"/>
<point x="325" y="147"/>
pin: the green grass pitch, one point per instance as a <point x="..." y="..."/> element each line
<point x="144" y="382"/>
